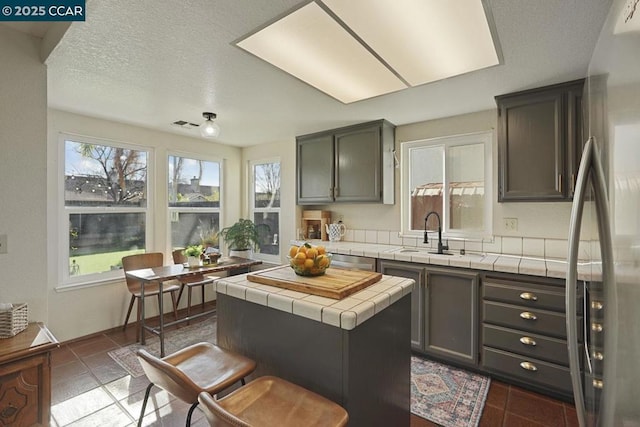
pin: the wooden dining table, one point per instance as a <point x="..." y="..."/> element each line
<point x="159" y="275"/>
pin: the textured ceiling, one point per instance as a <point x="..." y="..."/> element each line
<point x="152" y="62"/>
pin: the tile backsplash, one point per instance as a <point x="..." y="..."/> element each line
<point x="507" y="245"/>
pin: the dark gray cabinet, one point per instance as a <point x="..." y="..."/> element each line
<point x="451" y="315"/>
<point x="315" y="169"/>
<point x="350" y="164"/>
<point x="444" y="310"/>
<point x="539" y="142"/>
<point x="417" y="273"/>
<point x="524" y="331"/>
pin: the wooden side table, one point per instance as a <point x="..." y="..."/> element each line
<point x="25" y="377"/>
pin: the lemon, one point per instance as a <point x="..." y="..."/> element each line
<point x="300" y="258"/>
<point x="293" y="250"/>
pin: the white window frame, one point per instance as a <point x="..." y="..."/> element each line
<point x="171" y="209"/>
<point x="485" y="137"/>
<point x="252" y="209"/>
<point x="64" y="278"/>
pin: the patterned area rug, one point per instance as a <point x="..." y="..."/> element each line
<point x="439" y="393"/>
<point x="445" y="395"/>
<point x="174" y="340"/>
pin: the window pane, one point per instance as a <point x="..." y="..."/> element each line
<point x="101" y="175"/>
<point x="194" y="228"/>
<point x="425" y="184"/>
<point x="193" y="183"/>
<point x="466" y="186"/>
<point x="97" y="242"/>
<point x="267" y="185"/>
<point x="270" y="242"/>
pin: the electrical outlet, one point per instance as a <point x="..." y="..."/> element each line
<point x="3" y="243"/>
<point x="511" y="224"/>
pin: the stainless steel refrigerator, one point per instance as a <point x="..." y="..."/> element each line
<point x="604" y="239"/>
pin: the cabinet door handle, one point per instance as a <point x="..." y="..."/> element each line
<point x="598" y="384"/>
<point x="528" y="366"/>
<point x="596" y="327"/>
<point x="560" y="182"/>
<point x="527" y="315"/>
<point x="528" y="341"/>
<point x="597" y="355"/>
<point x="528" y="296"/>
<point x="8" y="412"/>
<point x="596" y="305"/>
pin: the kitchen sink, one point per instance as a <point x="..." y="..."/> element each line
<point x="430" y="251"/>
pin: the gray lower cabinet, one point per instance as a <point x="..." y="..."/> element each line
<point x="524" y="332"/>
<point x="451" y="315"/>
<point x="350" y="164"/>
<point x="444" y="310"/>
<point x="415" y="272"/>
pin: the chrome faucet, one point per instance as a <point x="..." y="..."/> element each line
<point x="441" y="247"/>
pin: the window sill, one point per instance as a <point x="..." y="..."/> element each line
<point x="88" y="284"/>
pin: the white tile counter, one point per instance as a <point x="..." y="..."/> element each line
<point x="486" y="261"/>
<point x="346" y="313"/>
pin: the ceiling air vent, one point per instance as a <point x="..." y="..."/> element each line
<point x="185" y="124"/>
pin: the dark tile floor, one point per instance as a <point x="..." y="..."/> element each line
<point x="90" y="389"/>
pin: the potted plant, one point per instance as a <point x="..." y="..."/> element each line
<point x="243" y="237"/>
<point x="193" y="253"/>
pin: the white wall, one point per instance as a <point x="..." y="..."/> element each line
<point x="23" y="172"/>
<point x="79" y="312"/>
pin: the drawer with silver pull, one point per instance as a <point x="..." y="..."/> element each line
<point x="517" y="317"/>
<point x="526" y="344"/>
<point x="527" y="295"/>
<point x="527" y="369"/>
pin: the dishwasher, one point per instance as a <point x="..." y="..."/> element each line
<point x="353" y="261"/>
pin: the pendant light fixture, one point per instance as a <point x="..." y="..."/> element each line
<point x="209" y="129"/>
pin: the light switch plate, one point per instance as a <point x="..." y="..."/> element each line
<point x="3" y="244"/>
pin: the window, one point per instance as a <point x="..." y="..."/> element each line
<point x="265" y="204"/>
<point x="194" y="202"/>
<point x="451" y="176"/>
<point x="105" y="211"/>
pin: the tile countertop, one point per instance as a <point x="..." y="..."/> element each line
<point x="556" y="268"/>
<point x="346" y="313"/>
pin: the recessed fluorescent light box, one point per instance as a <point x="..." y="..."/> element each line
<point x="358" y="49"/>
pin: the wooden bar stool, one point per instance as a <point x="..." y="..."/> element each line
<point x="272" y="402"/>
<point x="199" y="368"/>
<point x="191" y="282"/>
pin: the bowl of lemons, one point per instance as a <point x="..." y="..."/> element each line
<point x="309" y="260"/>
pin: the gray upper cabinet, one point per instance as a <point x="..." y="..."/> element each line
<point x="346" y="165"/>
<point x="451" y="315"/>
<point x="539" y="140"/>
<point x="315" y="169"/>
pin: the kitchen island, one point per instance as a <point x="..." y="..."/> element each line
<point x="355" y="351"/>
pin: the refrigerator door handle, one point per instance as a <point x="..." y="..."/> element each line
<point x="590" y="165"/>
<point x="570" y="286"/>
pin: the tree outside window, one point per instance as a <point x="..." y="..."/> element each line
<point x="105" y="205"/>
<point x="194" y="202"/>
<point x="265" y="206"/>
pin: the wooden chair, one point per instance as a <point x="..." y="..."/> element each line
<point x="147" y="260"/>
<point x="191" y="281"/>
<point x="199" y="368"/>
<point x="272" y="402"/>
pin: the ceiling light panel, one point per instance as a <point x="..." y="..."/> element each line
<point x="422" y="40"/>
<point x="313" y="47"/>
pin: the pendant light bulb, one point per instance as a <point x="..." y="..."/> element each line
<point x="209" y="129"/>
